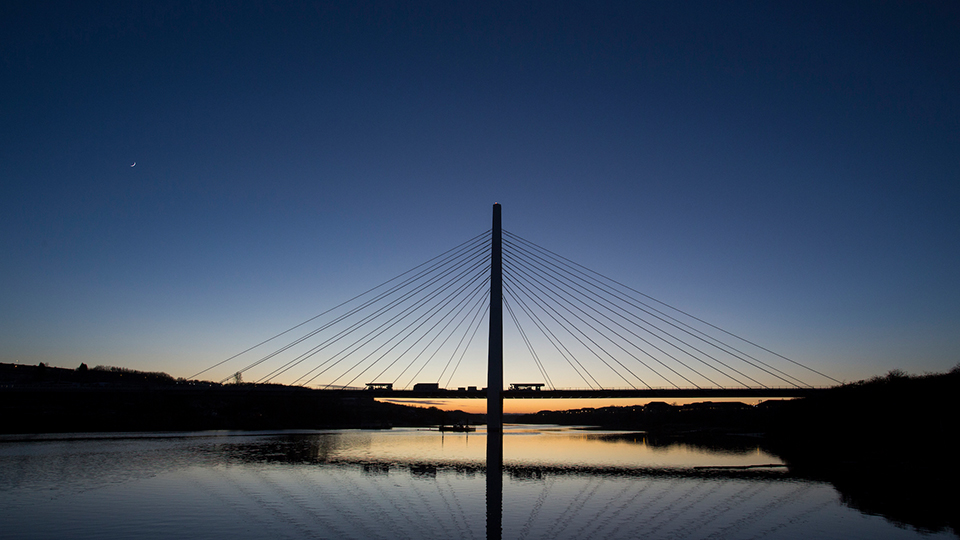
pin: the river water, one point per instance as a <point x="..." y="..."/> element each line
<point x="410" y="483"/>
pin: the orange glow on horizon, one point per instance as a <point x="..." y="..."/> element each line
<point x="529" y="406"/>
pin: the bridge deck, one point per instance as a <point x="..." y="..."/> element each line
<point x="647" y="393"/>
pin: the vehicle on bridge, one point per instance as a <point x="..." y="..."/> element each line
<point x="380" y="386"/>
<point x="526" y="386"/>
<point x="426" y="387"/>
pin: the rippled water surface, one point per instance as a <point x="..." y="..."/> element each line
<point x="408" y="483"/>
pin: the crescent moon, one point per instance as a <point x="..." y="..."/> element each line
<point x="134" y="164"/>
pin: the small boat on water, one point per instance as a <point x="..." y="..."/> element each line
<point x="462" y="428"/>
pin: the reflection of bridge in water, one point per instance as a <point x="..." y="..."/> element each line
<point x="411" y="484"/>
<point x="630" y="340"/>
<point x="433" y="499"/>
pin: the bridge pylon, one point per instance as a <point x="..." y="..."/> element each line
<point x="495" y="349"/>
<point x="495" y="385"/>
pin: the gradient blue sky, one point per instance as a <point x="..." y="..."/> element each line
<point x="787" y="170"/>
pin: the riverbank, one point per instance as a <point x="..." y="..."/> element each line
<point x="35" y="399"/>
<point x="896" y="417"/>
<point x="887" y="444"/>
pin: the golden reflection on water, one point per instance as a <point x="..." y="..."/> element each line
<point x="530" y="406"/>
<point x="604" y="448"/>
<point x="543" y="446"/>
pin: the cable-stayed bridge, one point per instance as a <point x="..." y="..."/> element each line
<point x="419" y="335"/>
<point x="570" y="332"/>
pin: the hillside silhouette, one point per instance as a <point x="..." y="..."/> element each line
<point x="887" y="444"/>
<point x="44" y="399"/>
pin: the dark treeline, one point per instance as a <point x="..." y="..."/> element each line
<point x="43" y="399"/>
<point x="896" y="420"/>
<point x="908" y="420"/>
<point x="664" y="419"/>
<point x="41" y="375"/>
<point x="877" y="419"/>
<point x="887" y="444"/>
